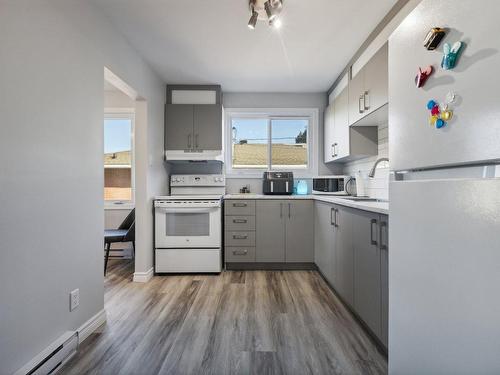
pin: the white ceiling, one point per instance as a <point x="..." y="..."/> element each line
<point x="208" y="41"/>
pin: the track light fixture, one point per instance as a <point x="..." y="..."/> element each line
<point x="265" y="10"/>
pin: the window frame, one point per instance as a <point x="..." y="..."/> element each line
<point x="122" y="113"/>
<point x="270" y="114"/>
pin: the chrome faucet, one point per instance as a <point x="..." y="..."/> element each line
<point x="372" y="172"/>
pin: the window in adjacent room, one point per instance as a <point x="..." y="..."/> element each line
<point x="118" y="159"/>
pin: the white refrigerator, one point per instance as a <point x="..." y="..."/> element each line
<point x="444" y="259"/>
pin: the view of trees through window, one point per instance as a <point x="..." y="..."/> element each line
<point x="118" y="159"/>
<point x="269" y="143"/>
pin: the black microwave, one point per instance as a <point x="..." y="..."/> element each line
<point x="330" y="185"/>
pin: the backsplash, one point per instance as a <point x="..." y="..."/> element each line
<point x="377" y="187"/>
<point x="233" y="185"/>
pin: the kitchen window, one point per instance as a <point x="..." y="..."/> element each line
<point x="272" y="140"/>
<point x="119" y="160"/>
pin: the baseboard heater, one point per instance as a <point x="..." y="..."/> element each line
<point x="51" y="359"/>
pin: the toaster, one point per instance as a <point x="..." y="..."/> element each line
<point x="277" y="183"/>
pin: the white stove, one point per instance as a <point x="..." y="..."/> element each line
<point x="188" y="229"/>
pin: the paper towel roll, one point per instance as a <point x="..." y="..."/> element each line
<point x="360" y="185"/>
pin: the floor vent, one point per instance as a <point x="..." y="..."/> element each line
<point x="52" y="359"/>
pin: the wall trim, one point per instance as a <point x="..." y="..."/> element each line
<point x="91" y="325"/>
<point x="143" y="277"/>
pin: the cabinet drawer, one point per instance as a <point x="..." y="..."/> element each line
<point x="239" y="207"/>
<point x="239" y="223"/>
<point x="240" y="254"/>
<point x="240" y="239"/>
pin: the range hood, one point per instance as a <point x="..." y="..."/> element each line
<point x="181" y="155"/>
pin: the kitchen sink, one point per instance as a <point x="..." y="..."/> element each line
<point x="366" y="199"/>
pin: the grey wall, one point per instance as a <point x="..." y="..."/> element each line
<point x="52" y="56"/>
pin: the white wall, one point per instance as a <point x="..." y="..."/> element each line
<point x="52" y="56"/>
<point x="377" y="187"/>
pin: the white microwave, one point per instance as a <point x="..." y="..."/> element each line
<point x="331" y="185"/>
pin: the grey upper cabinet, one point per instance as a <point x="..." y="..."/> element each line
<point x="179" y="126"/>
<point x="328" y="134"/>
<point x="384" y="277"/>
<point x="341" y="146"/>
<point x="356" y="93"/>
<point x="367" y="288"/>
<point x="368" y="89"/>
<point x="270" y="230"/>
<point x="343" y="221"/>
<point x="376" y="76"/>
<point x="324" y="250"/>
<point x="207" y="126"/>
<point x="193" y="127"/>
<point x="342" y="142"/>
<point x="299" y="239"/>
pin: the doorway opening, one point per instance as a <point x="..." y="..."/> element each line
<point x="119" y="124"/>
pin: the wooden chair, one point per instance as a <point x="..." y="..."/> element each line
<point x="124" y="233"/>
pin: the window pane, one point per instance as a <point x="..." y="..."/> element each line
<point x="289" y="143"/>
<point x="249" y="142"/>
<point x="118" y="159"/>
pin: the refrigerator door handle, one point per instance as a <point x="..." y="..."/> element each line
<point x="373" y="241"/>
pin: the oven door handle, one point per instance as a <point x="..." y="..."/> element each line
<point x="186" y="210"/>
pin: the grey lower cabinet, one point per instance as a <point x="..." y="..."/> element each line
<point x="351" y="251"/>
<point x="384" y="277"/>
<point x="367" y="286"/>
<point x="333" y="253"/>
<point x="284" y="231"/>
<point x="299" y="231"/>
<point x="270" y="228"/>
<point x="324" y="240"/>
<point x="279" y="232"/>
<point x="344" y="265"/>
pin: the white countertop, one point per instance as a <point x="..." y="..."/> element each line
<point x="378" y="207"/>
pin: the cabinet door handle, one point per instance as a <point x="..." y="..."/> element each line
<point x="240" y="236"/>
<point x="196" y="141"/>
<point x="289" y="210"/>
<point x="361" y="106"/>
<point x="281" y="210"/>
<point x="189" y="141"/>
<point x="332" y="210"/>
<point x="336" y="222"/>
<point x="240" y="221"/>
<point x="239" y="204"/>
<point x="332" y="150"/>
<point x="366" y="100"/>
<point x="373" y="241"/>
<point x="383" y="244"/>
<point x="240" y="252"/>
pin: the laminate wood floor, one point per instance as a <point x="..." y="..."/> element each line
<point x="249" y="322"/>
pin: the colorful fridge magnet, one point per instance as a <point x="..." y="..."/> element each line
<point x="440" y="113"/>
<point x="450" y="56"/>
<point x="433" y="38"/>
<point x="422" y="75"/>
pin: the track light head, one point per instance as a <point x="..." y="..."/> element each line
<point x="269" y="10"/>
<point x="253" y="19"/>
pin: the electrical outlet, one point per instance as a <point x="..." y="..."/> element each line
<point x="74" y="299"/>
